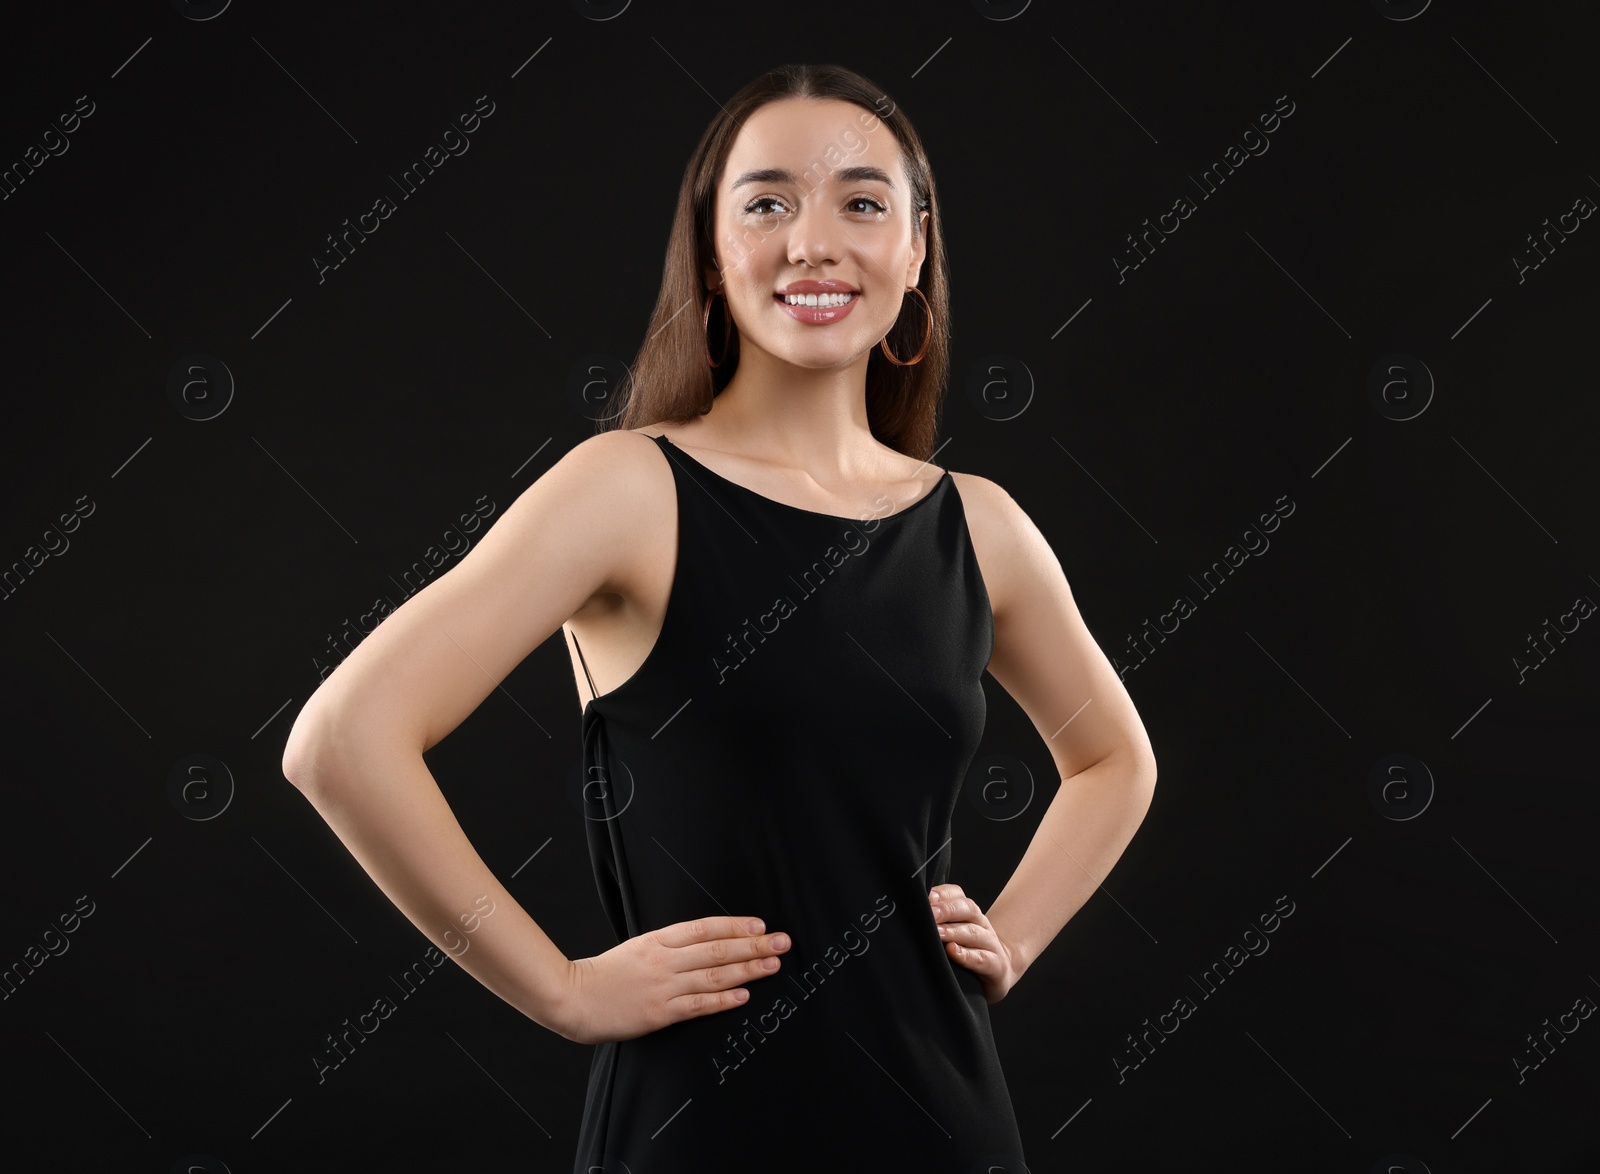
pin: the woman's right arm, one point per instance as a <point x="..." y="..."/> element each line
<point x="356" y="750"/>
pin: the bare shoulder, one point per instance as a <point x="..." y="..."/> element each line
<point x="623" y="489"/>
<point x="619" y="470"/>
<point x="1004" y="538"/>
<point x="624" y="453"/>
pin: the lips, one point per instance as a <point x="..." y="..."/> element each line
<point x="819" y="286"/>
<point x="817" y="315"/>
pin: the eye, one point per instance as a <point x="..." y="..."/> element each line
<point x="759" y="206"/>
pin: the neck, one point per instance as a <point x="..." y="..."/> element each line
<point x="802" y="417"/>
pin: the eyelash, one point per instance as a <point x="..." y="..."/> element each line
<point x="750" y="207"/>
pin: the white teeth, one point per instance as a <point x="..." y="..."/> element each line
<point x="817" y="299"/>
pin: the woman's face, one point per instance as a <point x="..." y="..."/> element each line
<point x="815" y="191"/>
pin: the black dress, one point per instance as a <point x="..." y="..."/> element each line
<point x="792" y="748"/>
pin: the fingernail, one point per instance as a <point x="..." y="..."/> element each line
<point x="780" y="941"/>
<point x="769" y="964"/>
<point x="755" y="925"/>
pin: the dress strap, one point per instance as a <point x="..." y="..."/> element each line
<point x="593" y="692"/>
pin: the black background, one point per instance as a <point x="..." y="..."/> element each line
<point x="431" y="370"/>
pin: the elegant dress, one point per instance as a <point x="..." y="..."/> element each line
<point x="792" y="748"/>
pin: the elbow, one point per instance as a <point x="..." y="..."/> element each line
<point x="297" y="769"/>
<point x="299" y="764"/>
<point x="1139" y="784"/>
<point x="329" y="746"/>
<point x="304" y="752"/>
<point x="1141" y="771"/>
<point x="1142" y="756"/>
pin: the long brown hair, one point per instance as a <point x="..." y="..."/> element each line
<point x="671" y="380"/>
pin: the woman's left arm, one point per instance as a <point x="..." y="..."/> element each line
<point x="1045" y="658"/>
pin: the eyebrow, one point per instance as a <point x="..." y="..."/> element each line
<point x="783" y="175"/>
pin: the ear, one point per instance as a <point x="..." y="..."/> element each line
<point x="712" y="276"/>
<point x="919" y="249"/>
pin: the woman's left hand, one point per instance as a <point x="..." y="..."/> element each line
<point x="972" y="942"/>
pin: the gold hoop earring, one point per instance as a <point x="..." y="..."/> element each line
<point x="928" y="310"/>
<point x="727" y="327"/>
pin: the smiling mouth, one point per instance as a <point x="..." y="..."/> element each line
<point x="816" y="301"/>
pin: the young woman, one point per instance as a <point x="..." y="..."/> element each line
<point x="781" y="615"/>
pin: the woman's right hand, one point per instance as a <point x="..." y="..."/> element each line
<point x="680" y="971"/>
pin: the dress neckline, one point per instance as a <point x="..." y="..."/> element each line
<point x="944" y="479"/>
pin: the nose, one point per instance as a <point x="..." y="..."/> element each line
<point x="814" y="234"/>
